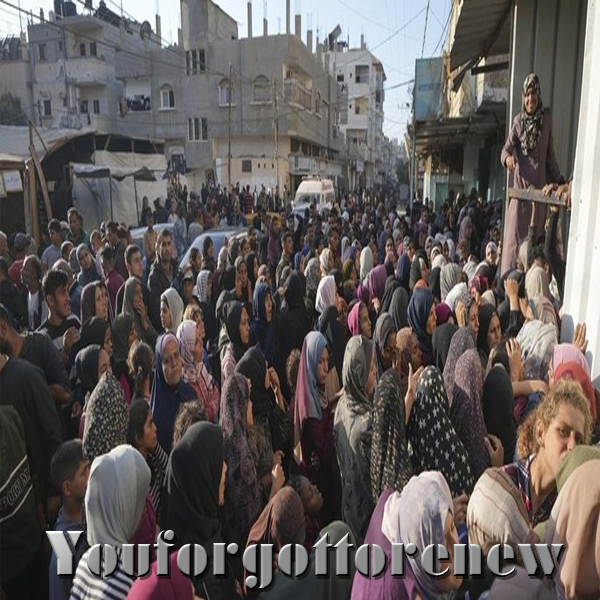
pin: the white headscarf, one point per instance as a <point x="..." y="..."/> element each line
<point x="458" y="292"/>
<point x="173" y="300"/>
<point x="116" y="495"/>
<point x="325" y="293"/>
<point x="366" y="262"/>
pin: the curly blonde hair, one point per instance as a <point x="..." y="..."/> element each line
<point x="562" y="392"/>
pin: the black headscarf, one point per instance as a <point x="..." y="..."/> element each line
<point x="434" y="284"/>
<point x="232" y="315"/>
<point x="403" y="271"/>
<point x="93" y="331"/>
<point x="330" y="327"/>
<point x="253" y="365"/>
<point x="233" y="252"/>
<point x="295" y="290"/>
<point x="191" y="504"/>
<point x="86" y="365"/>
<point x="251" y="261"/>
<point x="498" y="400"/>
<point x="391" y="285"/>
<point x="440" y="341"/>
<point x="486" y="312"/>
<point x="227" y="282"/>
<point x="399" y="308"/>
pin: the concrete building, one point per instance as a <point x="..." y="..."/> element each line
<point x="260" y="110"/>
<point x="14" y="67"/>
<point x="360" y="77"/>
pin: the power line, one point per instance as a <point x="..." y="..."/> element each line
<point x="443" y="31"/>
<point x="425" y="30"/>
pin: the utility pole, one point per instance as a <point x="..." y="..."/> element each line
<point x="229" y="137"/>
<point x="276" y="133"/>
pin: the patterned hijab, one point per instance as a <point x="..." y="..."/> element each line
<point x="418" y="515"/>
<point x="383" y="328"/>
<point x="399" y="308"/>
<point x="436" y="445"/>
<point x="450" y="275"/>
<point x="242" y="493"/>
<point x="390" y="460"/>
<point x="355" y="372"/>
<point x="186" y="336"/>
<point x="466" y="410"/>
<point x="307" y="404"/>
<point x="202" y="286"/>
<point x="313" y="275"/>
<point x="531" y="125"/>
<point x="461" y="341"/>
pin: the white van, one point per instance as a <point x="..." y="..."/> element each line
<point x="321" y="192"/>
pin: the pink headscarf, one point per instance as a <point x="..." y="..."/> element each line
<point x="566" y="353"/>
<point x="377" y="278"/>
<point x="443" y="312"/>
<point x="354" y="319"/>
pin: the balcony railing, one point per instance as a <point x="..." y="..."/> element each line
<point x="296" y="93"/>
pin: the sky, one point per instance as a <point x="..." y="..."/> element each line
<point x="396" y="31"/>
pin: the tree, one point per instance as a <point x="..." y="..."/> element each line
<point x="11" y="112"/>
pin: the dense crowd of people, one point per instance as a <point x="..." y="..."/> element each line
<point x="364" y="372"/>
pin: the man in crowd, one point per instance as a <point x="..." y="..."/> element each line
<point x="11" y="297"/>
<point x="135" y="268"/>
<point x="162" y="275"/>
<point x="53" y="252"/>
<point x="21" y="245"/>
<point x="31" y="276"/>
<point x="112" y="278"/>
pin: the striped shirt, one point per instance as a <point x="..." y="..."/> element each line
<point x="157" y="461"/>
<point x="87" y="586"/>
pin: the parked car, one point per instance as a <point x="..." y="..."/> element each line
<point x="218" y="236"/>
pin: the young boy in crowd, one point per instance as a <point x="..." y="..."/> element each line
<point x="69" y="472"/>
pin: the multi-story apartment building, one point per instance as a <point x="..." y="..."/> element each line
<point x="14" y="66"/>
<point x="360" y="77"/>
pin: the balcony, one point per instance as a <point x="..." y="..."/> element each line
<point x="297" y="94"/>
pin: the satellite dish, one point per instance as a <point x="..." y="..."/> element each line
<point x="145" y="30"/>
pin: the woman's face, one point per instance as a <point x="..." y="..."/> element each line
<point x="243" y="274"/>
<point x="149" y="440"/>
<point x="222" y="485"/>
<point x="563" y="434"/>
<point x="389" y="245"/>
<point x="103" y="363"/>
<point x="101" y="299"/>
<point x="211" y="251"/>
<point x="323" y="367"/>
<point x="370" y="386"/>
<point x="132" y="336"/>
<point x="431" y="321"/>
<point x="365" y="322"/>
<point x="85" y="259"/>
<point x="416" y="356"/>
<point x="165" y="316"/>
<point x="107" y="345"/>
<point x="198" y="348"/>
<point x="531" y="101"/>
<point x="494" y="332"/>
<point x="244" y="327"/>
<point x="450" y="581"/>
<point x="269" y="307"/>
<point x="474" y="318"/>
<point x="388" y="351"/>
<point x="171" y="363"/>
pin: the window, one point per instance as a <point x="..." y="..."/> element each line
<point x="92" y="48"/>
<point x="96" y="107"/>
<point x="261" y="91"/>
<point x="318" y="103"/>
<point x="167" y="97"/>
<point x="198" y="130"/>
<point x="42" y="51"/>
<point x="225" y="93"/>
<point x="81" y="49"/>
<point x="201" y="61"/>
<point x="195" y="62"/>
<point x="246" y="166"/>
<point x="84" y="107"/>
<point x="340" y="78"/>
<point x="188" y="63"/>
<point x="47" y="108"/>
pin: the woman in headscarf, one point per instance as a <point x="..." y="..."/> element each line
<point x="496" y="514"/>
<point x="216" y="276"/>
<point x="403" y="271"/>
<point x="313" y="277"/>
<point x="87" y="266"/>
<point x="169" y="390"/>
<point x="408" y="354"/>
<point x="349" y="271"/>
<point x="461" y="341"/>
<point x="313" y="422"/>
<point x="561" y="422"/>
<point x="399" y="308"/>
<point x="94" y="302"/>
<point x="326" y="294"/>
<point x="90" y="364"/>
<point x="263" y="326"/>
<point x="268" y="411"/>
<point x="171" y="310"/>
<point x="466" y="414"/>
<point x="450" y="275"/>
<point x="395" y="521"/>
<point x="536" y="283"/>
<point x="194" y="370"/>
<point x="280" y="523"/>
<point x="123" y="338"/>
<point x="208" y="255"/>
<point x="134" y="306"/>
<point x="241" y="488"/>
<point x="434" y="283"/>
<point x="537" y="341"/>
<point x="385" y="343"/>
<point x="422" y="319"/>
<point x="376" y="280"/>
<point x="237" y="324"/>
<point x="419" y="269"/>
<point x="366" y="263"/>
<point x="114" y="505"/>
<point x="435" y="443"/>
<point x="575" y="523"/>
<point x="106" y="418"/>
<point x="194" y="493"/>
<point x="96" y="330"/>
<point x="467" y="235"/>
<point x="359" y="321"/>
<point x="529" y="153"/>
<point x="390" y="460"/>
<point x="489" y="333"/>
<point x="353" y="430"/>
<point x="391" y="285"/>
<point x="204" y="294"/>
<point x="440" y="343"/>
